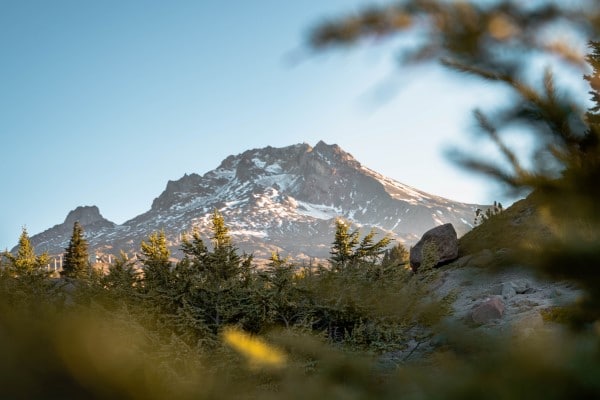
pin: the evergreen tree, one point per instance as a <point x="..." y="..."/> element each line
<point x="391" y="265"/>
<point x="214" y="285"/>
<point x="26" y="262"/>
<point x="342" y="249"/>
<point x="157" y="267"/>
<point x="224" y="261"/>
<point x="155" y="250"/>
<point x="281" y="297"/>
<point x="76" y="262"/>
<point x="226" y="288"/>
<point x="195" y="251"/>
<point x="220" y="264"/>
<point x="192" y="285"/>
<point x="348" y="250"/>
<point x="193" y="268"/>
<point x="370" y="251"/>
<point x="121" y="277"/>
<point x="189" y="276"/>
<point x="395" y="256"/>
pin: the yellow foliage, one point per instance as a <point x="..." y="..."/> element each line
<point x="258" y="353"/>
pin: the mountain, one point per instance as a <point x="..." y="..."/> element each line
<point x="55" y="239"/>
<point x="274" y="199"/>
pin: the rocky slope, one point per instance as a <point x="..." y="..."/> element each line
<point x="274" y="199"/>
<point x="513" y="301"/>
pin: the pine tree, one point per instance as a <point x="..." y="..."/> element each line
<point x="227" y="276"/>
<point x="122" y="276"/>
<point x="76" y="260"/>
<point x="348" y="250"/>
<point x="155" y="250"/>
<point x="194" y="264"/>
<point x="342" y="249"/>
<point x="26" y="263"/>
<point x="281" y="297"/>
<point x="195" y="251"/>
<point x="224" y="261"/>
<point x="370" y="251"/>
<point x="25" y="259"/>
<point x="190" y="274"/>
<point x="395" y="256"/>
<point x="193" y="291"/>
<point x="157" y="267"/>
<point x="215" y="283"/>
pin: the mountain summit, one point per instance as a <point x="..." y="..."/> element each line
<point x="275" y="199"/>
<point x="55" y="239"/>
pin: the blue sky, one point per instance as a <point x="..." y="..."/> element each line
<point x="102" y="102"/>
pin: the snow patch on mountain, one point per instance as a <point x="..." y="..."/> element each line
<point x="318" y="211"/>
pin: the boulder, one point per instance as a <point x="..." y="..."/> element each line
<point x="445" y="241"/>
<point x="508" y="291"/>
<point x="491" y="308"/>
<point x="515" y="287"/>
<point x="520" y="286"/>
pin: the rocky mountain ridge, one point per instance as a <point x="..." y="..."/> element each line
<point x="273" y="199"/>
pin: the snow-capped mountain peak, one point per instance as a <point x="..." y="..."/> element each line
<point x="278" y="199"/>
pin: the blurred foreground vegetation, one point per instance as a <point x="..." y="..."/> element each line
<point x="214" y="326"/>
<point x="211" y="324"/>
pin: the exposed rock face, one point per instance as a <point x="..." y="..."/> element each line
<point x="55" y="239"/>
<point x="444" y="239"/>
<point x="86" y="215"/>
<point x="276" y="199"/>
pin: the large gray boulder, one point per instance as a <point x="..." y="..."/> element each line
<point x="444" y="239"/>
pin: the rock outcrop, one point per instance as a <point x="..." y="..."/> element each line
<point x="55" y="239"/>
<point x="86" y="216"/>
<point x="444" y="239"/>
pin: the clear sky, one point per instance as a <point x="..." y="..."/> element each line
<point x="102" y="102"/>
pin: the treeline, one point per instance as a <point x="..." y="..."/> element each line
<point x="365" y="301"/>
<point x="215" y="286"/>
